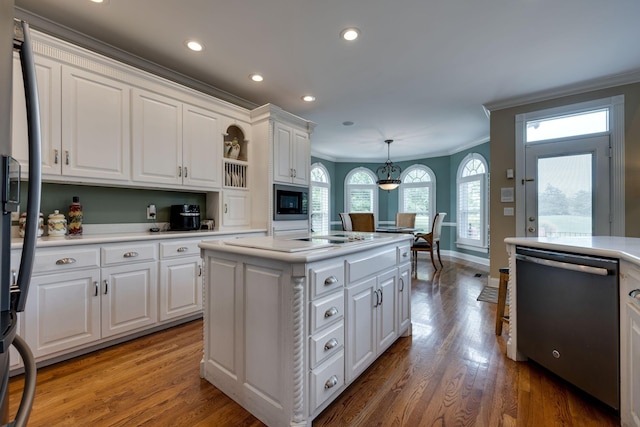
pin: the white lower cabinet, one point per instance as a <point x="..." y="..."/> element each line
<point x="180" y="279"/>
<point x="81" y="295"/>
<point x="629" y="345"/>
<point x="372" y="320"/>
<point x="129" y="298"/>
<point x="404" y="298"/>
<point x="62" y="311"/>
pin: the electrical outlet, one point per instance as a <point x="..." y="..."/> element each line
<point x="151" y="212"/>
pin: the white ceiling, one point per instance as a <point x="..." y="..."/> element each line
<point x="419" y="74"/>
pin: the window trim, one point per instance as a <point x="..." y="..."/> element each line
<point x="431" y="184"/>
<point x="483" y="178"/>
<point x="347" y="186"/>
<point x="326" y="185"/>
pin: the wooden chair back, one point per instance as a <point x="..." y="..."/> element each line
<point x="406" y="219"/>
<point x="363" y="221"/>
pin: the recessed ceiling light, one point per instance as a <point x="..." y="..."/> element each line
<point x="194" y="45"/>
<point x="100" y="1"/>
<point x="256" y="77"/>
<point x="308" y="98"/>
<point x="350" y="34"/>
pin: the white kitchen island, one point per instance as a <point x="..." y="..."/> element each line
<point x="627" y="251"/>
<point x="289" y="324"/>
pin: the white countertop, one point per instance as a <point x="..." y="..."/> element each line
<point x="292" y="250"/>
<point x="627" y="248"/>
<point x="98" y="238"/>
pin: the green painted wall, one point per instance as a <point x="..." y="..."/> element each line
<point x="445" y="169"/>
<point x="112" y="205"/>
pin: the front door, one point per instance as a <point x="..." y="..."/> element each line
<point x="567" y="187"/>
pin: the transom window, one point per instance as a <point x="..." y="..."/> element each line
<point x="472" y="203"/>
<point x="583" y="123"/>
<point x="361" y="191"/>
<point x="418" y="194"/>
<point x="320" y="189"/>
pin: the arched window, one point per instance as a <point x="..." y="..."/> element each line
<point x="320" y="190"/>
<point x="361" y="192"/>
<point x="418" y="194"/>
<point x="472" y="202"/>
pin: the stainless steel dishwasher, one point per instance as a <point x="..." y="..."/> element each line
<point x="567" y="309"/>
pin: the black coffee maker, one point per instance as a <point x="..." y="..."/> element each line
<point x="184" y="217"/>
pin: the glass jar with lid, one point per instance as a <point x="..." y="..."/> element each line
<point x="57" y="224"/>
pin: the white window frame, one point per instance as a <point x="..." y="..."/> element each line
<point x="472" y="244"/>
<point x="374" y="187"/>
<point x="431" y="184"/>
<point x="327" y="186"/>
<point x="615" y="104"/>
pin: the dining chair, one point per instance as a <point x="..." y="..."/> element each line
<point x="427" y="242"/>
<point x="363" y="221"/>
<point x="406" y="219"/>
<point x="346" y="221"/>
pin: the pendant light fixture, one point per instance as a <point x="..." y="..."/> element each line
<point x="390" y="171"/>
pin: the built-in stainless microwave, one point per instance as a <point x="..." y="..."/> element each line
<point x="290" y="202"/>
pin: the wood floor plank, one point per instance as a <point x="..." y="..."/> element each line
<point x="453" y="370"/>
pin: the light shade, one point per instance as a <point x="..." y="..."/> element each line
<point x="389" y="172"/>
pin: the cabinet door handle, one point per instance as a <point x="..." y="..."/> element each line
<point x="332" y="343"/>
<point x="380" y="290"/>
<point x="377" y="299"/>
<point x="225" y="208"/>
<point x="130" y="254"/>
<point x="405" y="254"/>
<point x="55" y="157"/>
<point x="331" y="312"/>
<point x="331" y="382"/>
<point x="331" y="280"/>
<point x="64" y="261"/>
<point x="295" y="173"/>
<point x="186" y="172"/>
<point x="402" y="284"/>
<point x="95" y="287"/>
<point x="635" y="294"/>
<point x="199" y="271"/>
<point x="66" y="156"/>
<point x="106" y="286"/>
<point x="179" y="171"/>
<point x="182" y="249"/>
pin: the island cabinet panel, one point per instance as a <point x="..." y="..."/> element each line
<point x="287" y="333"/>
<point x="630" y="345"/>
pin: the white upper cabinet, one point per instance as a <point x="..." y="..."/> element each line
<point x="175" y="143"/>
<point x="95" y="126"/>
<point x="157" y="138"/>
<point x="291" y="155"/>
<point x="201" y="151"/>
<point x="48" y="79"/>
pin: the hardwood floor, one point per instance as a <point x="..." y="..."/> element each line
<point x="452" y="371"/>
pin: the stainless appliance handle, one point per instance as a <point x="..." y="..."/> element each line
<point x="35" y="165"/>
<point x="565" y="265"/>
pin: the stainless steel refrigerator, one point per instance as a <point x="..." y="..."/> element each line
<point x="14" y="36"/>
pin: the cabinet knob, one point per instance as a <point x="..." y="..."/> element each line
<point x="332" y="343"/>
<point x="182" y="249"/>
<point x="331" y="312"/>
<point x="64" y="261"/>
<point x="635" y="294"/>
<point x="331" y="382"/>
<point x="130" y="254"/>
<point x="332" y="280"/>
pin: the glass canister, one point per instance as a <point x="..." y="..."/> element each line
<point x="75" y="217"/>
<point x="22" y="223"/>
<point x="57" y="224"/>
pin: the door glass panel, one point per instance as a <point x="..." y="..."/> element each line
<point x="585" y="123"/>
<point x="565" y="196"/>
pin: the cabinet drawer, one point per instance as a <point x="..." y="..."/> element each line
<point x="327" y="381"/>
<point x="58" y="259"/>
<point x="326" y="311"/>
<point x="325" y="344"/>
<point x="325" y="279"/>
<point x="404" y="254"/>
<point x="124" y="254"/>
<point x="370" y="263"/>
<point x="179" y="248"/>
